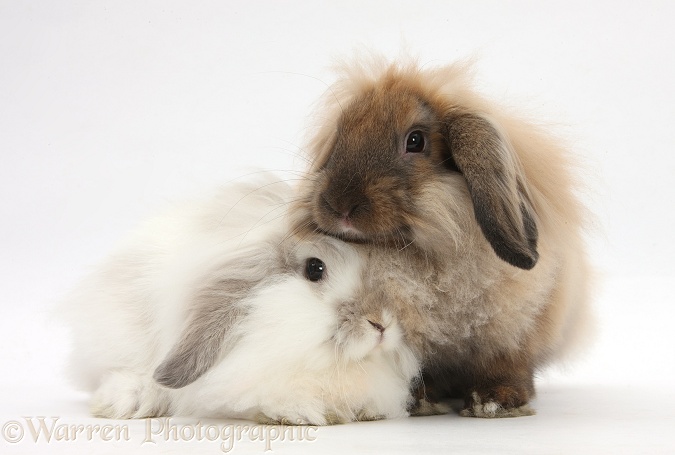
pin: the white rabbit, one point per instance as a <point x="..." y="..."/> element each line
<point x="217" y="309"/>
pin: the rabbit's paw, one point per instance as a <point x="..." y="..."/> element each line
<point x="308" y="416"/>
<point x="424" y="407"/>
<point x="264" y="419"/>
<point x="489" y="407"/>
<point x="126" y="395"/>
<point x="367" y="416"/>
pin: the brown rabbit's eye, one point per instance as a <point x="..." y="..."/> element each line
<point x="314" y="269"/>
<point x="414" y="143"/>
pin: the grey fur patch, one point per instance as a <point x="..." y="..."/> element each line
<point x="214" y="317"/>
<point x="214" y="314"/>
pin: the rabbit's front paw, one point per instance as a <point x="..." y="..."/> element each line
<point x="425" y="407"/>
<point x="489" y="406"/>
<point x="327" y="418"/>
<point x="295" y="416"/>
<point x="126" y="395"/>
<point x="289" y="420"/>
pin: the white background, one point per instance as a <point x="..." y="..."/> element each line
<point x="111" y="109"/>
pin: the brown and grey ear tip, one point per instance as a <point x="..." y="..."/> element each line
<point x="517" y="247"/>
<point x="525" y="260"/>
<point x="521" y="253"/>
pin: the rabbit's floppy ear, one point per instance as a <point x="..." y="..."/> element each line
<point x="204" y="336"/>
<point x="214" y="315"/>
<point x="497" y="187"/>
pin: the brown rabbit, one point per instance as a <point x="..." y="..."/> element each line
<point x="483" y="206"/>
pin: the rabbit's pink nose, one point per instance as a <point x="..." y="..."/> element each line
<point x="379" y="327"/>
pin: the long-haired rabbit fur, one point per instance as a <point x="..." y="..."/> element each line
<point x="481" y="205"/>
<point x="217" y="310"/>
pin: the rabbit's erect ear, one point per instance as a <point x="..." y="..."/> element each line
<point x="213" y="317"/>
<point x="496" y="185"/>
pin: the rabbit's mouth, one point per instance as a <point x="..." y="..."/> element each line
<point x="381" y="329"/>
<point x="345" y="226"/>
<point x="399" y="238"/>
<point x="339" y="217"/>
<point x="363" y="337"/>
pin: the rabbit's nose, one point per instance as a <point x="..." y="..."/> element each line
<point x="331" y="205"/>
<point x="379" y="327"/>
<point x="340" y="207"/>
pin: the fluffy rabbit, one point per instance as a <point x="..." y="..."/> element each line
<point x="217" y="310"/>
<point x="482" y="207"/>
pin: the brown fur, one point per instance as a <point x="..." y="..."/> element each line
<point x="485" y="322"/>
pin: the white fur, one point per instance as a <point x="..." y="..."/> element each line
<point x="286" y="364"/>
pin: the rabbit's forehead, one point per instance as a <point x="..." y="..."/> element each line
<point x="384" y="109"/>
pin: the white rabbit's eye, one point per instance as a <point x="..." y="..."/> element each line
<point x="314" y="269"/>
<point x="414" y="143"/>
